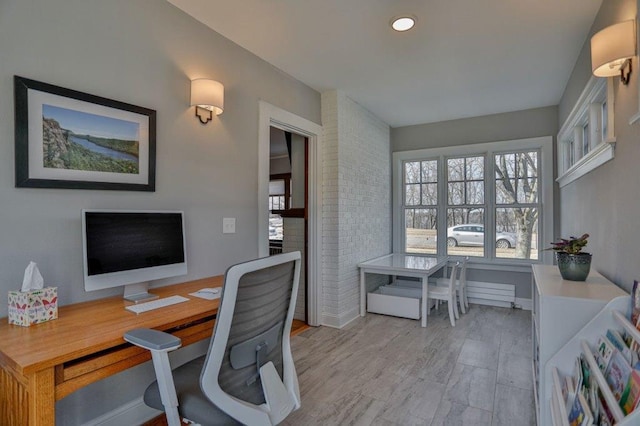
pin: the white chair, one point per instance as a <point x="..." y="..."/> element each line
<point x="461" y="286"/>
<point x="248" y="375"/>
<point x="446" y="294"/>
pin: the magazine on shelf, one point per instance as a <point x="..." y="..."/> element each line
<point x="618" y="342"/>
<point x="635" y="303"/>
<point x="604" y="351"/>
<point x="617" y="374"/>
<point x="580" y="414"/>
<point x="606" y="417"/>
<point x="631" y="393"/>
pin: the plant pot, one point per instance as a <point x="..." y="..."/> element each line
<point x="574" y="267"/>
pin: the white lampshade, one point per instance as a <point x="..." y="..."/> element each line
<point x="611" y="47"/>
<point x="208" y="94"/>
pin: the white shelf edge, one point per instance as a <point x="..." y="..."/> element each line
<point x="556" y="396"/>
<point x="623" y="321"/>
<point x="615" y="409"/>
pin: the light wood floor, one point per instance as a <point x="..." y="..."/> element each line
<point x="382" y="370"/>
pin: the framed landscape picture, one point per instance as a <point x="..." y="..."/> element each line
<point x="69" y="139"/>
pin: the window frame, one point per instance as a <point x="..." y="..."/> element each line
<point x="544" y="145"/>
<point x="593" y="107"/>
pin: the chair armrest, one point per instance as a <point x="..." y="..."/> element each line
<point x="153" y="340"/>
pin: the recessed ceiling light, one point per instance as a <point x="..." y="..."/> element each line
<point x="403" y="23"/>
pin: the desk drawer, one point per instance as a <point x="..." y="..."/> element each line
<point x="395" y="301"/>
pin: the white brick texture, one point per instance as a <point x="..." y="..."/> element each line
<point x="356" y="219"/>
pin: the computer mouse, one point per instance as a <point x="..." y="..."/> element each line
<point x="210" y="290"/>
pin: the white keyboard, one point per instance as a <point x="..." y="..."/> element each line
<point x="155" y="304"/>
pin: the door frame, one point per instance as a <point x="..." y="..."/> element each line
<point x="272" y="116"/>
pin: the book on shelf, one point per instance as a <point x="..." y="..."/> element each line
<point x="580" y="414"/>
<point x="606" y="417"/>
<point x="618" y="342"/>
<point x="604" y="351"/>
<point x="631" y="394"/>
<point x="617" y="374"/>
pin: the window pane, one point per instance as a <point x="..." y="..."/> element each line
<point x="527" y="164"/>
<point x="456" y="193"/>
<point x="475" y="168"/>
<point x="517" y="233"/>
<point x="475" y="192"/>
<point x="455" y="169"/>
<point x="524" y="166"/>
<point x="465" y="240"/>
<point x="505" y="190"/>
<point x="420" y="231"/>
<point x="430" y="194"/>
<point x="430" y="171"/>
<point x="585" y="139"/>
<point x="412" y="172"/>
<point x="505" y="166"/>
<point x="605" y="121"/>
<point x="412" y="195"/>
<point x="527" y="190"/>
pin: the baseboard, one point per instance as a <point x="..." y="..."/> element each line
<point x="525" y="304"/>
<point x="132" y="413"/>
<point x="339" y="321"/>
<point x="489" y="302"/>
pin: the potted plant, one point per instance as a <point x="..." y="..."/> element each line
<point x="573" y="263"/>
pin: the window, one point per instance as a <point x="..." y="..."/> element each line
<point x="517" y="204"/>
<point x="490" y="201"/>
<point x="420" y="200"/>
<point x="584" y="142"/>
<point x="465" y="205"/>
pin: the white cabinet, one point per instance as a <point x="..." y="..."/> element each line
<point x="560" y="310"/>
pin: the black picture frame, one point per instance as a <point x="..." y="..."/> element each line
<point x="50" y="154"/>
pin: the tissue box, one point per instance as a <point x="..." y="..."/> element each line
<point x="33" y="307"/>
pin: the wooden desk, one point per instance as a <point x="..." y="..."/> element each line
<point x="46" y="362"/>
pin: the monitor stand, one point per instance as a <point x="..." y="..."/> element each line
<point x="138" y="293"/>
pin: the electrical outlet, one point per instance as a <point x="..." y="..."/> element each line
<point x="229" y="225"/>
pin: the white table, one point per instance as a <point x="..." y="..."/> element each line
<point x="401" y="264"/>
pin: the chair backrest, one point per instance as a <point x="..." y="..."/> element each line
<point x="452" y="278"/>
<point x="256" y="309"/>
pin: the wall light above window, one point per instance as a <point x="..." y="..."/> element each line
<point x="612" y="49"/>
<point x="208" y="98"/>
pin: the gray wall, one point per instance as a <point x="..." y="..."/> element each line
<point x="143" y="52"/>
<point x="605" y="202"/>
<point x="491" y="128"/>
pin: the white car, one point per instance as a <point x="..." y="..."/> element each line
<point x="472" y="234"/>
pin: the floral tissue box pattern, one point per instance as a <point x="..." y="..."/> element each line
<point x="33" y="307"/>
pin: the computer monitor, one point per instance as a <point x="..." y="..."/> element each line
<point x="131" y="248"/>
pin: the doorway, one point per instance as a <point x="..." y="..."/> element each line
<point x="288" y="164"/>
<point x="272" y="116"/>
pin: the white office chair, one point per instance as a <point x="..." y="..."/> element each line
<point x="446" y="294"/>
<point x="248" y="374"/>
<point x="461" y="286"/>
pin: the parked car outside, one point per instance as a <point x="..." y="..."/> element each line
<point x="471" y="234"/>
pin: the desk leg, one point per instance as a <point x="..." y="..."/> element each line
<point x="425" y="302"/>
<point x="27" y="400"/>
<point x="363" y="294"/>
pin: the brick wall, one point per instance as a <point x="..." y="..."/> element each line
<point x="356" y="202"/>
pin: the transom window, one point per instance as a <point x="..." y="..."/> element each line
<point x="488" y="204"/>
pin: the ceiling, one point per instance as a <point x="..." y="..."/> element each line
<point x="464" y="58"/>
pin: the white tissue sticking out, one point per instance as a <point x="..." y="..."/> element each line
<point x="32" y="278"/>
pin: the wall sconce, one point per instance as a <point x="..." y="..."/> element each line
<point x="208" y="97"/>
<point x="612" y="50"/>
